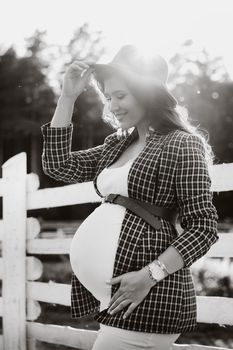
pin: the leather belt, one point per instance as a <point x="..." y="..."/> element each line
<point x="146" y="211"/>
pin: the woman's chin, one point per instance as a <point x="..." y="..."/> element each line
<point x="124" y="125"/>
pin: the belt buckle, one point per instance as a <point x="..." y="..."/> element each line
<point x="110" y="198"/>
<point x="103" y="200"/>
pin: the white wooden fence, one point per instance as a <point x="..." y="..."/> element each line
<point x="21" y="294"/>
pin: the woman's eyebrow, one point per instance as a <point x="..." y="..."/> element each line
<point x="114" y="92"/>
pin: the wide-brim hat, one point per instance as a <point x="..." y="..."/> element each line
<point x="130" y="62"/>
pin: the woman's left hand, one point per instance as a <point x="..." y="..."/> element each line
<point x="134" y="287"/>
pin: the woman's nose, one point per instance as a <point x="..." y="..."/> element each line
<point x="114" y="106"/>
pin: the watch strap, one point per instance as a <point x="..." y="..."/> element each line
<point x="150" y="274"/>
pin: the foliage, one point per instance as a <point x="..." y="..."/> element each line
<point x="26" y="99"/>
<point x="213" y="277"/>
<point x="202" y="84"/>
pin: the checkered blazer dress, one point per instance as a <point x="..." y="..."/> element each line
<point x="171" y="171"/>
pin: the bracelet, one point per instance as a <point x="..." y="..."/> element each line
<point x="163" y="267"/>
<point x="150" y="273"/>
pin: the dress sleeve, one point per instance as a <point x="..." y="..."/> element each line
<point x="198" y="216"/>
<point x="60" y="163"/>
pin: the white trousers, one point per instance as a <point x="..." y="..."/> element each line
<point x="113" y="338"/>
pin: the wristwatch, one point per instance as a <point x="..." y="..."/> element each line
<point x="157" y="271"/>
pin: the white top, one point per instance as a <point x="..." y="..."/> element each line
<point x="93" y="247"/>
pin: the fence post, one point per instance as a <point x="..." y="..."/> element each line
<point x="14" y="172"/>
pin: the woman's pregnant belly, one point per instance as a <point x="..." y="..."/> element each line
<point x="93" y="249"/>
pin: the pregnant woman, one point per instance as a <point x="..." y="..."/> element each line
<point x="133" y="275"/>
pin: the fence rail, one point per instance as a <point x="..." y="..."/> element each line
<point x="19" y="237"/>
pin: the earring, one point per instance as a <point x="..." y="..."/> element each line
<point x="150" y="131"/>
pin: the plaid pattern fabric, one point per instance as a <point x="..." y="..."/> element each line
<point x="170" y="171"/>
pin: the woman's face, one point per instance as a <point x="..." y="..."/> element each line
<point x="123" y="104"/>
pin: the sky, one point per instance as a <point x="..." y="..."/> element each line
<point x="160" y="26"/>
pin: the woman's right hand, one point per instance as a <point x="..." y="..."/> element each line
<point x="76" y="78"/>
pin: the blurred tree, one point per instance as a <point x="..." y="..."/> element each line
<point x="202" y="84"/>
<point x="26" y="101"/>
<point x="28" y="97"/>
<point x="89" y="128"/>
<point x="192" y="63"/>
<point x="88" y="125"/>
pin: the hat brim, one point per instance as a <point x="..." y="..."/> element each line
<point x="101" y="71"/>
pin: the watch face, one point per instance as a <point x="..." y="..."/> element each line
<point x="157" y="272"/>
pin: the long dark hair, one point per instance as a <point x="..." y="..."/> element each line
<point x="163" y="111"/>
